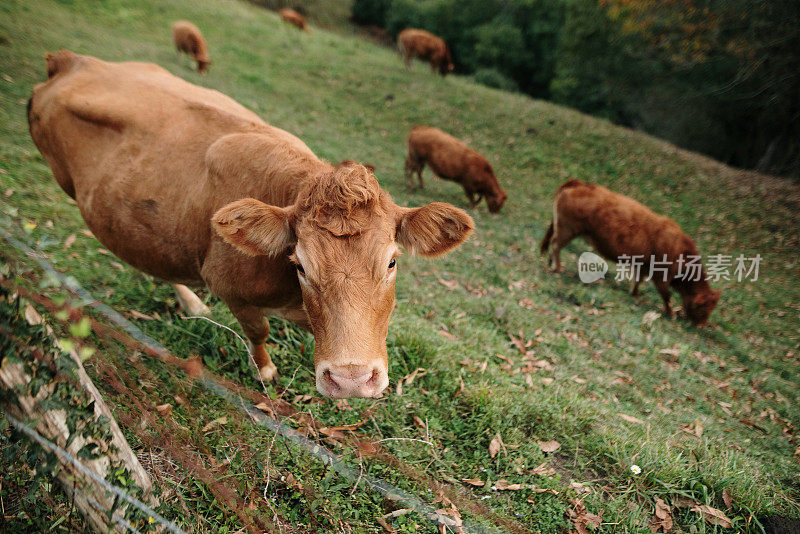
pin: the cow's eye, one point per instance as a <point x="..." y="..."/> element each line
<point x="300" y="269"/>
<point x="392" y="264"/>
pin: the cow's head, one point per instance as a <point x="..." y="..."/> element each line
<point x="496" y="200"/>
<point x="698" y="306"/>
<point x="344" y="235"/>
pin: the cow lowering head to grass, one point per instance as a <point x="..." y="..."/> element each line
<point x="185" y="184"/>
<point x="294" y="18"/>
<point x="189" y="40"/>
<point x="426" y="46"/>
<point x="618" y="226"/>
<point x="451" y="159"/>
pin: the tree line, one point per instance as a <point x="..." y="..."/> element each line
<point x="721" y="77"/>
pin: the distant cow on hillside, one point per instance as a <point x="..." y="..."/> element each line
<point x="294" y="18"/>
<point x="426" y="46"/>
<point x="619" y="227"/>
<point x="451" y="159"/>
<point x="189" y="40"/>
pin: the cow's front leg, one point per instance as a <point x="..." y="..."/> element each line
<point x="256" y="328"/>
<point x="189" y="302"/>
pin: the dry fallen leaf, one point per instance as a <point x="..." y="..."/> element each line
<point x="713" y="516"/>
<point x="662" y="519"/>
<point x="727" y="499"/>
<point x="503" y="485"/>
<point x="215" y="423"/>
<point x="698" y="428"/>
<point x="549" y="446"/>
<point x="449" y="284"/>
<point x="264" y="407"/>
<point x="68" y="242"/>
<point x="495" y="446"/>
<point x="446" y="334"/>
<point x="581" y="518"/>
<point x="164" y="409"/>
<point x="473" y="482"/>
<point x="541" y="470"/>
<point x="631" y="419"/>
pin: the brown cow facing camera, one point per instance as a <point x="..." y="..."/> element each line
<point x="616" y="226"/>
<point x="426" y="46"/>
<point x="451" y="159"/>
<point x="185" y="184"/>
<point x="189" y="40"/>
<point x="294" y="18"/>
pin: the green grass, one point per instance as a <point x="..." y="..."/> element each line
<point x="332" y="91"/>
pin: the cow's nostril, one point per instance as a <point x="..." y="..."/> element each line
<point x="330" y="382"/>
<point x="373" y="380"/>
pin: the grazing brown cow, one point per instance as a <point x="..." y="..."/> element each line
<point x="424" y="45"/>
<point x="187" y="185"/>
<point x="189" y="40"/>
<point x="294" y="18"/>
<point x="451" y="159"/>
<point x="619" y="226"/>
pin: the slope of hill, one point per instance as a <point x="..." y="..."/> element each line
<point x="506" y="348"/>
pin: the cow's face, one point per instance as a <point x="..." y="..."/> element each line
<point x="495" y="201"/>
<point x="700" y="305"/>
<point x="344" y="236"/>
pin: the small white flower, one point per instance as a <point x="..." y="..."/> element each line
<point x="635" y="469"/>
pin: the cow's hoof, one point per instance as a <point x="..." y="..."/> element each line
<point x="199" y="308"/>
<point x="269" y="372"/>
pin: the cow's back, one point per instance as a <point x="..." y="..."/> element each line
<point x="419" y="42"/>
<point x="130" y="142"/>
<point x="446" y="155"/>
<point x="615" y="224"/>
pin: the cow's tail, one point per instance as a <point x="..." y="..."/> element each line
<point x="548" y="235"/>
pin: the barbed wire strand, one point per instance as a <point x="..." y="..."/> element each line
<point x="52" y="447"/>
<point x="317" y="450"/>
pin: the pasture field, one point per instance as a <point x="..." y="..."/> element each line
<point x="490" y="342"/>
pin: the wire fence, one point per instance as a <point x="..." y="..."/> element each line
<point x="320" y="452"/>
<point x="67" y="457"/>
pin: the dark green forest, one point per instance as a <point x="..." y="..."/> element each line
<point x="721" y="77"/>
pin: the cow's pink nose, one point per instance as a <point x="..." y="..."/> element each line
<point x="347" y="381"/>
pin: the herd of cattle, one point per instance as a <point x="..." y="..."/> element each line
<point x="185" y="184"/>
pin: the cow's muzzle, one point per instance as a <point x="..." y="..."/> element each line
<point x="348" y="381"/>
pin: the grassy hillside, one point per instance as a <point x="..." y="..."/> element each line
<point x="717" y="408"/>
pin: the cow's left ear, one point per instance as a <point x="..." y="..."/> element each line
<point x="255" y="228"/>
<point x="432" y="230"/>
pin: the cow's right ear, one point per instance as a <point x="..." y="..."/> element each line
<point x="255" y="228"/>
